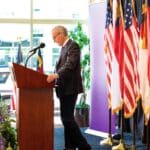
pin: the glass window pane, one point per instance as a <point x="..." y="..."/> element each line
<point x="15" y="9"/>
<point x="10" y="36"/>
<point x="60" y="9"/>
<point x="45" y="9"/>
<point x="3" y="76"/>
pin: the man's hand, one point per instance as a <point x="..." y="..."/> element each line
<point x="52" y="77"/>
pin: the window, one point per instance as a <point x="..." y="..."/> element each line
<point x="20" y="24"/>
<point x="3" y="76"/>
<point x="55" y="53"/>
<point x="60" y="9"/>
<point x="44" y="9"/>
<point x="15" y="9"/>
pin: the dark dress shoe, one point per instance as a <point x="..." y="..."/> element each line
<point x="70" y="149"/>
<point x="144" y="140"/>
<point x="87" y="147"/>
<point x="117" y="136"/>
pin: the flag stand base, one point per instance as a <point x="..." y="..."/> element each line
<point x="121" y="146"/>
<point x="133" y="147"/>
<point x="107" y="141"/>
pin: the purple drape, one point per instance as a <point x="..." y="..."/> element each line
<point x="99" y="106"/>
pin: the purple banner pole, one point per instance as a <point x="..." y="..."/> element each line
<point x="99" y="115"/>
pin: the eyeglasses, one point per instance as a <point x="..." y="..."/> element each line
<point x="54" y="37"/>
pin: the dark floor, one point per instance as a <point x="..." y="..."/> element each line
<point x="94" y="141"/>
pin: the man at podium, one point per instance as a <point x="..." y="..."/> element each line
<point x="68" y="86"/>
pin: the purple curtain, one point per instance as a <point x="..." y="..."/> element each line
<point x="99" y="106"/>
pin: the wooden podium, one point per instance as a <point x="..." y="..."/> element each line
<point x="34" y="109"/>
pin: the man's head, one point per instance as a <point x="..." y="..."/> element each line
<point x="59" y="34"/>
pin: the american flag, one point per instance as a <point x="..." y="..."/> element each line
<point x="19" y="60"/>
<point x="108" y="47"/>
<point x="130" y="68"/>
<point x="112" y="61"/>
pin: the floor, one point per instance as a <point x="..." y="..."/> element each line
<point x="57" y="121"/>
<point x="93" y="140"/>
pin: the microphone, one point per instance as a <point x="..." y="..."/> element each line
<point x="42" y="45"/>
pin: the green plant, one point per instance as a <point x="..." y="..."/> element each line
<point x="6" y="130"/>
<point x="82" y="103"/>
<point x="78" y="35"/>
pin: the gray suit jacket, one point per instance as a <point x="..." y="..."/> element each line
<point x="69" y="70"/>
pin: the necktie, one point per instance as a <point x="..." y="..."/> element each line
<point x="62" y="50"/>
<point x="62" y="54"/>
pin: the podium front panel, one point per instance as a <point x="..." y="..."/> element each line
<point x="35" y="119"/>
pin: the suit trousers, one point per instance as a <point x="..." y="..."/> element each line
<point x="72" y="134"/>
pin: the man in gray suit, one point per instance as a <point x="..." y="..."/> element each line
<point x="68" y="86"/>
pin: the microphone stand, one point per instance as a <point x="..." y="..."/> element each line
<point x="29" y="57"/>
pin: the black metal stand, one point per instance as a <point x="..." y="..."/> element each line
<point x="108" y="141"/>
<point x="147" y="135"/>
<point x="109" y="130"/>
<point x="121" y="145"/>
<point x="122" y="123"/>
<point x="29" y="57"/>
<point x="133" y="134"/>
<point x="110" y="135"/>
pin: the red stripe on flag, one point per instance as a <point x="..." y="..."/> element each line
<point x="130" y="72"/>
<point x="108" y="47"/>
<point x="13" y="106"/>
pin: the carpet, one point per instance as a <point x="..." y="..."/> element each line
<point x="94" y="141"/>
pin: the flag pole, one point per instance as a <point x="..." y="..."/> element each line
<point x="134" y="115"/>
<point x="108" y="44"/>
<point x="108" y="140"/>
<point x="121" y="145"/>
<point x="147" y="135"/>
<point x="109" y="129"/>
<point x="133" y="134"/>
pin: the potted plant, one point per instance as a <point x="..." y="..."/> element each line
<point x="8" y="133"/>
<point x="82" y="108"/>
